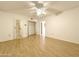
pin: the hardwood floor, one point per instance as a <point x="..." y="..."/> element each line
<point x="38" y="46"/>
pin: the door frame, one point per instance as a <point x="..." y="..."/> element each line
<point x="28" y="27"/>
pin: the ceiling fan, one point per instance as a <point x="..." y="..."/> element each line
<point x="43" y="8"/>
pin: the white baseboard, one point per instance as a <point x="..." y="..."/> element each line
<point x="55" y="37"/>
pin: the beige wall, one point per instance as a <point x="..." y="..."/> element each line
<point x="64" y="26"/>
<point x="7" y="25"/>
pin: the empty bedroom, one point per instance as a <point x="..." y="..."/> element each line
<point x="39" y="28"/>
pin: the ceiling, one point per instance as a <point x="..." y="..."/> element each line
<point x="28" y="7"/>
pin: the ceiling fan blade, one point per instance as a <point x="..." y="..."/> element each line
<point x="53" y="11"/>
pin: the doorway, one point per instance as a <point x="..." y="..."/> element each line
<point x="31" y="28"/>
<point x="18" y="29"/>
<point x="42" y="28"/>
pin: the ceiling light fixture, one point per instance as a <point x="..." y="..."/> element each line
<point x="40" y="11"/>
<point x="39" y="8"/>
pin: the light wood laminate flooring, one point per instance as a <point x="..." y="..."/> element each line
<point x="37" y="46"/>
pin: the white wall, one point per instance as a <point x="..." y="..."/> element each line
<point x="64" y="26"/>
<point x="38" y="27"/>
<point x="8" y="23"/>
